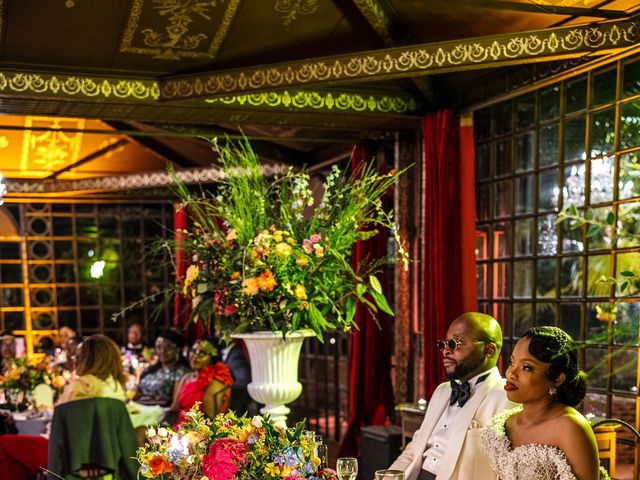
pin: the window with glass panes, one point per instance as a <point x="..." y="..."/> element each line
<point x="576" y="141"/>
<point x="76" y="264"/>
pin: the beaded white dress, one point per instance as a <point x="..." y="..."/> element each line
<point x="526" y="462"/>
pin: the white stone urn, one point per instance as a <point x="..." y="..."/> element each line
<point x="274" y="370"/>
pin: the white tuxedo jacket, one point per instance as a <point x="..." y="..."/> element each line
<point x="464" y="460"/>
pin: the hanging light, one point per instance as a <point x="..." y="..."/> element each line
<point x="3" y="188"/>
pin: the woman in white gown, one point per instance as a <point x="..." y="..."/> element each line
<point x="545" y="438"/>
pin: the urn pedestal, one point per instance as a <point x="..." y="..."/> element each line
<point x="274" y="370"/>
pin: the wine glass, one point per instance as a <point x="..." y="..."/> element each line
<point x="389" y="475"/>
<point x="347" y="468"/>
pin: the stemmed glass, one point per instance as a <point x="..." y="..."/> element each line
<point x="347" y="468"/>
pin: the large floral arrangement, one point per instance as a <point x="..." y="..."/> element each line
<point x="26" y="374"/>
<point x="229" y="448"/>
<point x="266" y="254"/>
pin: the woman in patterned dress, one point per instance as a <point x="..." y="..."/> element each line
<point x="545" y="438"/>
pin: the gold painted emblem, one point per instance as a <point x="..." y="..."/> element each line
<point x="290" y="9"/>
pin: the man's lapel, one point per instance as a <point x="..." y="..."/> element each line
<point x="462" y="423"/>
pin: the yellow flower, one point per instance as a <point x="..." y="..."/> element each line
<point x="271" y="469"/>
<point x="14" y="374"/>
<point x="318" y="250"/>
<point x="286" y="471"/>
<point x="300" y="292"/>
<point x="192" y="274"/>
<point x="231" y="235"/>
<point x="250" y="286"/>
<point x="235" y="276"/>
<point x="277" y="236"/>
<point x="302" y="261"/>
<point x="290" y="240"/>
<point x="283" y="249"/>
<point x="266" y="281"/>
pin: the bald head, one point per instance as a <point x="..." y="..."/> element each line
<point x="484" y="327"/>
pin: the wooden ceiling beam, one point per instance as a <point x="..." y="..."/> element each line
<point x="533" y="7"/>
<point x="416" y="60"/>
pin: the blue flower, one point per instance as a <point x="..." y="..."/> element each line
<point x="278" y="459"/>
<point x="308" y="467"/>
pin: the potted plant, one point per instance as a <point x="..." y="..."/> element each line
<point x="271" y="264"/>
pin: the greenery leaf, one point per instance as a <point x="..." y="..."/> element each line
<point x="361" y="288"/>
<point x="381" y="301"/>
<point x="624" y="286"/>
<point x="627" y="273"/>
<point x="573" y="210"/>
<point x="611" y="218"/>
<point x="375" y="283"/>
<point x="593" y="229"/>
<point x="350" y="310"/>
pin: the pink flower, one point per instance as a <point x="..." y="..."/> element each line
<point x="223" y="460"/>
<point x="229" y="310"/>
<point x="315" y="238"/>
<point x="307" y="245"/>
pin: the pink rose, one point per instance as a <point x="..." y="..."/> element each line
<point x="315" y="238"/>
<point x="307" y="245"/>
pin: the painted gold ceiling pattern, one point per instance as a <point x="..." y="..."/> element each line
<point x="305" y="99"/>
<point x="377" y="18"/>
<point x="53" y="149"/>
<point x="175" y="29"/>
<point x="430" y="58"/>
<point x="291" y="9"/>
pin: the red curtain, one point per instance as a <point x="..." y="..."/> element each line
<point x="371" y="394"/>
<point x="181" y="309"/>
<point x="448" y="268"/>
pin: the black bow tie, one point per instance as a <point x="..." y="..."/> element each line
<point x="460" y="392"/>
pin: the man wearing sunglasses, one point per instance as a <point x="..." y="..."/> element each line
<point x="447" y="444"/>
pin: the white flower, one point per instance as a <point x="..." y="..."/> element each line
<point x="151" y="432"/>
<point x="163" y="432"/>
<point x="257" y="421"/>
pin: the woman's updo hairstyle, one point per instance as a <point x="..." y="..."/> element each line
<point x="554" y="346"/>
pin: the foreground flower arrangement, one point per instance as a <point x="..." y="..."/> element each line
<point x="269" y="254"/>
<point x="230" y="448"/>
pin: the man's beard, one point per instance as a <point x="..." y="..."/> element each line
<point x="465" y="367"/>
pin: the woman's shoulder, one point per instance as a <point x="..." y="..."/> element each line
<point x="218" y="371"/>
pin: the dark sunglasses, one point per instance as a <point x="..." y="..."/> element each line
<point x="453" y="344"/>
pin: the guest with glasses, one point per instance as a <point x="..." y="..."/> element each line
<point x="447" y="444"/>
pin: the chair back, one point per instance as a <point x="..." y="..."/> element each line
<point x="92" y="435"/>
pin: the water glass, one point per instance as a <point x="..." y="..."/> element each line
<point x="389" y="475"/>
<point x="347" y="468"/>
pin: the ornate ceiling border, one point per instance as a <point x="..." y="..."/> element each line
<point x="459" y="55"/>
<point x="317" y="100"/>
<point x="73" y="86"/>
<point x="146" y="180"/>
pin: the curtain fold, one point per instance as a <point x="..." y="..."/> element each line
<point x="182" y="305"/>
<point x="448" y="267"/>
<point x="370" y="390"/>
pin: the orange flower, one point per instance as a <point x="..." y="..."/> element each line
<point x="266" y="281"/>
<point x="235" y="276"/>
<point x="159" y="465"/>
<point x="250" y="286"/>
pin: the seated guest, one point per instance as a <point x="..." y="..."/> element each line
<point x="209" y="382"/>
<point x="447" y="446"/>
<point x="545" y="438"/>
<point x="64" y="335"/>
<point x="157" y="383"/>
<point x="7" y="352"/>
<point x="70" y="349"/>
<point x="135" y="345"/>
<point x="100" y="374"/>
